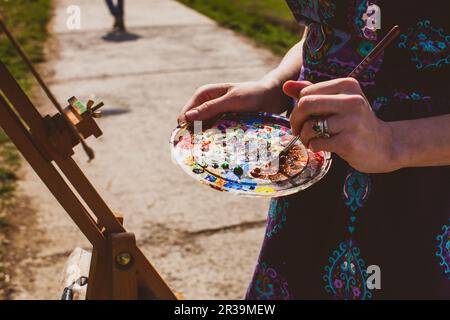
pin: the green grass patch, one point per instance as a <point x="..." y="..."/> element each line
<point x="7" y="181"/>
<point x="269" y="22"/>
<point x="27" y="20"/>
<point x="3" y="223"/>
<point x="3" y="137"/>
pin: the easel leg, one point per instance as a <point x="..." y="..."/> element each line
<point x="123" y="266"/>
<point x="113" y="273"/>
<point x="99" y="285"/>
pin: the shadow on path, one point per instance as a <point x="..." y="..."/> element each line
<point x="121" y="36"/>
<point x="114" y="112"/>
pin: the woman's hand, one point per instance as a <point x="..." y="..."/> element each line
<point x="264" y="95"/>
<point x="358" y="136"/>
<point x="214" y="99"/>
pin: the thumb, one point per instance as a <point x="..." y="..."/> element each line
<point x="210" y="109"/>
<point x="293" y="88"/>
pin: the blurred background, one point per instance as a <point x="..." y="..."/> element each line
<point x="203" y="242"/>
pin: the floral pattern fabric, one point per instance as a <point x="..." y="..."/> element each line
<point x="268" y="285"/>
<point x="443" y="251"/>
<point x="427" y="45"/>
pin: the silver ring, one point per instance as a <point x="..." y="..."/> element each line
<point x="326" y="129"/>
<point x="321" y="128"/>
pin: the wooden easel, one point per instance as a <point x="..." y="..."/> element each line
<point x="118" y="268"/>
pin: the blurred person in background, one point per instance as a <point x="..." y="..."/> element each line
<point x="116" y="7"/>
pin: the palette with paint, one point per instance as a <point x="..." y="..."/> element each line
<point x="239" y="153"/>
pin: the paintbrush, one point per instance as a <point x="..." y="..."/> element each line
<point x="373" y="55"/>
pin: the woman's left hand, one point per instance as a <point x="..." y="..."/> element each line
<point x="357" y="135"/>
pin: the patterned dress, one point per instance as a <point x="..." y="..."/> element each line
<point x="364" y="236"/>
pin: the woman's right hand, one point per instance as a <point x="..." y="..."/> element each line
<point x="215" y="99"/>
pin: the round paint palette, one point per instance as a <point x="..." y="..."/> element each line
<point x="239" y="153"/>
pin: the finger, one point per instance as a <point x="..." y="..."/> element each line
<point x="211" y="108"/>
<point x="335" y="86"/>
<point x="203" y="94"/>
<point x="307" y="132"/>
<point x="343" y="144"/>
<point x="336" y="124"/>
<point x="293" y="88"/>
<point x="322" y="144"/>
<point x="322" y="106"/>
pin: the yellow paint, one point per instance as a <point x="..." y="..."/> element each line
<point x="264" y="189"/>
<point x="189" y="161"/>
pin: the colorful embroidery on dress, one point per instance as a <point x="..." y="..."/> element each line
<point x="318" y="42"/>
<point x="331" y="53"/>
<point x="268" y="285"/>
<point x="410" y="96"/>
<point x="361" y="15"/>
<point x="317" y="10"/>
<point x="356" y="189"/>
<point x="340" y="40"/>
<point x="334" y="68"/>
<point x="444" y="249"/>
<point x="307" y="11"/>
<point x="429" y="46"/>
<point x="364" y="48"/>
<point x="379" y="103"/>
<point x="346" y="276"/>
<point x="277" y="216"/>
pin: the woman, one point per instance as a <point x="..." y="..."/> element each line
<point x="382" y="212"/>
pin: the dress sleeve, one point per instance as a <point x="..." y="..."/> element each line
<point x="296" y="9"/>
<point x="306" y="11"/>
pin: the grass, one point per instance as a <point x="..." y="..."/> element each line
<point x="269" y="22"/>
<point x="9" y="164"/>
<point x="27" y="20"/>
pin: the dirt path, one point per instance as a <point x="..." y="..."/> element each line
<point x="205" y="243"/>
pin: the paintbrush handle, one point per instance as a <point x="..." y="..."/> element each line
<point x="375" y="53"/>
<point x="290" y="144"/>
